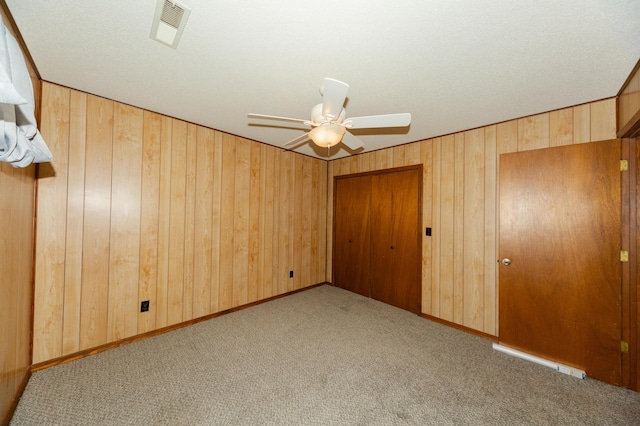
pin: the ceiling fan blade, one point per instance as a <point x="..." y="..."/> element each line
<point x="351" y="141"/>
<point x="334" y="93"/>
<point x="377" y="121"/>
<point x="300" y="138"/>
<point x="275" y="117"/>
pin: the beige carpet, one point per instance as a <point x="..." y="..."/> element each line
<point x="320" y="357"/>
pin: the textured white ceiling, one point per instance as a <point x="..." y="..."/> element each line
<point x="454" y="65"/>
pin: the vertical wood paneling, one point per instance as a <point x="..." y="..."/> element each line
<point x="533" y="132"/>
<point x="189" y="222"/>
<point x="149" y="216"/>
<point x="382" y="159"/>
<point x="473" y="250"/>
<point x="17" y="210"/>
<point x="507" y="137"/>
<point x="75" y="223"/>
<point x="629" y="103"/>
<point x="323" y="220"/>
<point x="164" y="223"/>
<point x="458" y="228"/>
<point x="490" y="209"/>
<point x="256" y="200"/>
<point x="16" y="260"/>
<point x="141" y="206"/>
<point x="285" y="224"/>
<point x="582" y="123"/>
<point x="9" y="292"/>
<point x="342" y="167"/>
<point x="330" y="212"/>
<point x="268" y="189"/>
<point x="124" y="241"/>
<point x="413" y="154"/>
<point x="561" y="127"/>
<point x="291" y="189"/>
<point x="426" y="159"/>
<point x="306" y="206"/>
<point x="314" y="221"/>
<point x="398" y="155"/>
<point x="203" y="241"/>
<point x="97" y="222"/>
<point x="275" y="271"/>
<point x="20" y="302"/>
<point x="242" y="169"/>
<point x="175" y="283"/>
<point x="354" y="164"/>
<point x="364" y="162"/>
<point x="603" y="120"/>
<point x="216" y="232"/>
<point x="298" y="218"/>
<point x="437" y="229"/>
<point x="50" y="256"/>
<point x="227" y="210"/>
<point x="447" y="227"/>
<point x="278" y="188"/>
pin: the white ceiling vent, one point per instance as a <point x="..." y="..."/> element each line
<point x="169" y="22"/>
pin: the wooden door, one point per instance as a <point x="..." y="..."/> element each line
<point x="560" y="298"/>
<point x="351" y="250"/>
<point x="395" y="239"/>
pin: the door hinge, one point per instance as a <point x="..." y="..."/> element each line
<point x="624" y="256"/>
<point x="624" y="347"/>
<point x="624" y="165"/>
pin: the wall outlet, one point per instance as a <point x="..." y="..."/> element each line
<point x="144" y="306"/>
<point x="290" y="274"/>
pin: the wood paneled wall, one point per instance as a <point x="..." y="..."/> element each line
<point x="16" y="283"/>
<point x="139" y="206"/>
<point x="17" y="209"/>
<point x="460" y="196"/>
<point x="629" y="106"/>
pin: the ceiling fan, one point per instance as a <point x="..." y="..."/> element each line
<point x="329" y="121"/>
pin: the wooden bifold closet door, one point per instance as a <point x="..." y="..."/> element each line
<point x="377" y="246"/>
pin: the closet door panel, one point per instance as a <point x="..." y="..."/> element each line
<point x="395" y="239"/>
<point x="352" y="240"/>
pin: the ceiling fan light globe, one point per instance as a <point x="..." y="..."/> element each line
<point x="327" y="134"/>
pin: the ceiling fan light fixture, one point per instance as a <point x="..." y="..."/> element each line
<point x="327" y="134"/>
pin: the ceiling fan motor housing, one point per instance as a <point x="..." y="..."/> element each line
<point x="317" y="118"/>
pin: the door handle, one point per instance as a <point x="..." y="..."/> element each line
<point x="506" y="261"/>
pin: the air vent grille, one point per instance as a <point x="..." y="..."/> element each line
<point x="169" y="22"/>
<point x="172" y="14"/>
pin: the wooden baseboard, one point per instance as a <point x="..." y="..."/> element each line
<point x="461" y="327"/>
<point x="112" y="345"/>
<point x="16" y="399"/>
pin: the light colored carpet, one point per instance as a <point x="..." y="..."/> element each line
<point x="320" y="357"/>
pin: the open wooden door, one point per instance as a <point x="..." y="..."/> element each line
<point x="560" y="215"/>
